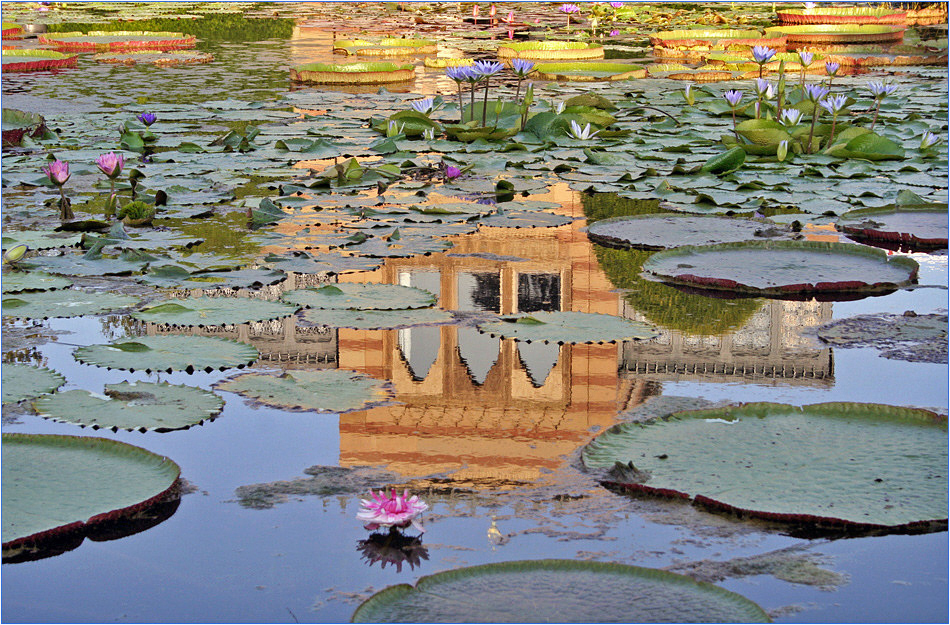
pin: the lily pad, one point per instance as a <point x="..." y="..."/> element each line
<point x="117" y="40"/>
<point x="782" y="267"/>
<point x="175" y="276"/>
<point x="656" y="232"/>
<point x="40" y="239"/>
<point x="377" y="319"/>
<point x="36" y="60"/>
<point x="524" y="219"/>
<point x="838" y="33"/>
<point x="550" y="50"/>
<point x="923" y="226"/>
<point x="168" y="353"/>
<point x="64" y="303"/>
<point x="319" y="390"/>
<point x="353" y="73"/>
<point x="534" y="591"/>
<point x="834" y="465"/>
<point x="587" y="72"/>
<point x="133" y="406"/>
<point x="169" y="58"/>
<point x="54" y="486"/>
<point x="910" y="337"/>
<point x="17" y="281"/>
<point x="358" y="296"/>
<point x="213" y="311"/>
<point x="21" y="382"/>
<point x="568" y="327"/>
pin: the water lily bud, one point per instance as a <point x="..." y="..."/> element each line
<point x="14" y="254"/>
<point x="782" y="151"/>
<point x="111" y="164"/>
<point x="929" y="140"/>
<point x="57" y="172"/>
<point x="689" y="96"/>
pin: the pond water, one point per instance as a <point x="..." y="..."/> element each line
<point x="488" y="431"/>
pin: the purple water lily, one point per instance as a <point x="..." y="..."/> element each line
<point x="459" y="74"/>
<point x="880" y="90"/>
<point x="486" y="69"/>
<point x="570" y="8"/>
<point x="833" y="104"/>
<point x="762" y="55"/>
<point x="733" y="97"/>
<point x="616" y="5"/>
<point x="816" y="92"/>
<point x="147" y="118"/>
<point x="451" y="173"/>
<point x="521" y="69"/>
<point x="423" y="106"/>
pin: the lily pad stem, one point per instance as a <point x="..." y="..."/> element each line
<point x="653" y="108"/>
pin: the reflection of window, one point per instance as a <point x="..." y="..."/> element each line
<point x="425" y="279"/>
<point x="539" y="291"/>
<point x="479" y="291"/>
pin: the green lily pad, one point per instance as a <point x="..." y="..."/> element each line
<point x="64" y="303"/>
<point x="870" y="146"/>
<point x="550" y="50"/>
<point x="17" y="281"/>
<point x="213" y="311"/>
<point x="524" y="219"/>
<point x="302" y="262"/>
<point x="320" y="390"/>
<point x="589" y="71"/>
<point x="835" y="465"/>
<point x="782" y="267"/>
<point x="129" y="261"/>
<point x="133" y="406"/>
<point x="168" y="353"/>
<point x="360" y="296"/>
<point x="175" y="276"/>
<point x="533" y="591"/>
<point x="568" y="327"/>
<point x="655" y="232"/>
<point x="54" y="486"/>
<point x="39" y="239"/>
<point x="21" y="382"/>
<point x="377" y="319"/>
<point x="924" y="226"/>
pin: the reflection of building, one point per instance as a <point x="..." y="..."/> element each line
<point x="484" y="408"/>
<point x="769" y="348"/>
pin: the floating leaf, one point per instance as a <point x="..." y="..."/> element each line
<point x="133" y="406"/>
<point x="924" y="226"/>
<point x="524" y="219"/>
<point x="783" y="267"/>
<point x="21" y="382"/>
<point x="169" y="353"/>
<point x="64" y="303"/>
<point x="654" y="232"/>
<point x="17" y="281"/>
<point x="213" y="311"/>
<point x="320" y="390"/>
<point x="175" y="276"/>
<point x="536" y="591"/>
<point x="361" y="297"/>
<point x="377" y="319"/>
<point x="568" y="327"/>
<point x="834" y="464"/>
<point x="910" y="337"/>
<point x="39" y="239"/>
<point x="55" y="486"/>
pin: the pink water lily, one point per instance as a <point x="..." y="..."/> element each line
<point x="451" y="173"/>
<point x="57" y="172"/>
<point x="391" y="510"/>
<point x="110" y="164"/>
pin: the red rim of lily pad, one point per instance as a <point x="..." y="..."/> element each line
<point x="800" y="524"/>
<point x="75" y="531"/>
<point x="770" y="250"/>
<point x="717" y="39"/>
<point x="851" y="15"/>
<point x="37" y="60"/>
<point x="14" y="32"/>
<point x="122" y="40"/>
<point x="838" y="33"/>
<point x="863" y="226"/>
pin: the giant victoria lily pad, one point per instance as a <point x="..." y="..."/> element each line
<point x="133" y="406"/>
<point x="377" y="319"/>
<point x="557" y="591"/>
<point x="782" y="267"/>
<point x="55" y="486"/>
<point x="321" y="390"/>
<point x="845" y="15"/>
<point x="921" y="226"/>
<point x="213" y="311"/>
<point x="21" y="382"/>
<point x="568" y="327"/>
<point x="838" y="33"/>
<point x="911" y="337"/>
<point x="168" y="353"/>
<point x="36" y="60"/>
<point x="100" y="41"/>
<point x="587" y="72"/>
<point x="834" y="465"/>
<point x="361" y="296"/>
<point x="353" y="73"/>
<point x="64" y="303"/>
<point x="656" y="232"/>
<point x="550" y="50"/>
<point x="388" y="46"/>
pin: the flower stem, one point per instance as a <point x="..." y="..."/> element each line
<point x="472" y="93"/>
<point x="734" y="129"/>
<point x="831" y="137"/>
<point x="518" y="89"/>
<point x="877" y="109"/>
<point x="811" y="133"/>
<point x="485" y="102"/>
<point x="461" y="106"/>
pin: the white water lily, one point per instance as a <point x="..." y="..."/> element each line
<point x="559" y="108"/>
<point x="423" y="106"/>
<point x="928" y="140"/>
<point x="394" y="129"/>
<point x="582" y="133"/>
<point x="428" y="134"/>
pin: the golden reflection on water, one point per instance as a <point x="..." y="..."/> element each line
<point x="492" y="411"/>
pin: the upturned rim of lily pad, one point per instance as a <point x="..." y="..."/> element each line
<point x="353" y="73"/>
<point x="37" y="60"/>
<point x="582" y="71"/>
<point x="842" y="15"/>
<point x="825" y="288"/>
<point x="550" y="50"/>
<point x="72" y="528"/>
<point x="118" y="40"/>
<point x="859" y="228"/>
<point x="838" y="33"/>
